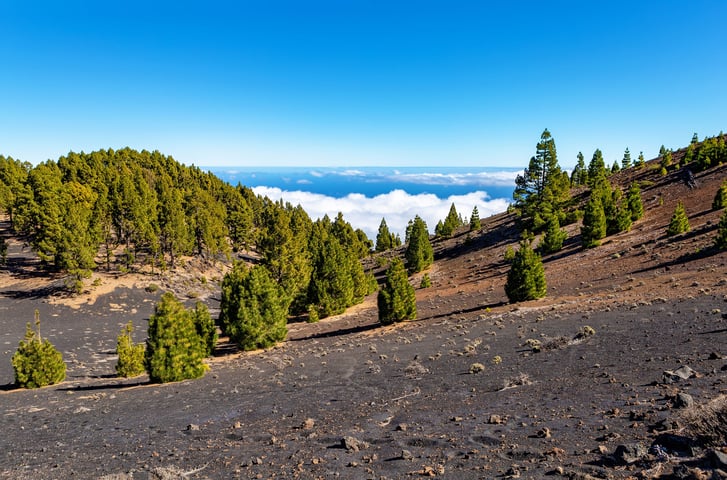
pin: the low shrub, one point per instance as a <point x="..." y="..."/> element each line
<point x="131" y="356"/>
<point x="37" y="363"/>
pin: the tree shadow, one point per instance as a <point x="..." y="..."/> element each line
<point x="461" y="311"/>
<point x="338" y="333"/>
<point x="107" y="386"/>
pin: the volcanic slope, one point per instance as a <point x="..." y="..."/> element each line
<point x="579" y="384"/>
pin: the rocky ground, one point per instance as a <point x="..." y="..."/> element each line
<point x="610" y="376"/>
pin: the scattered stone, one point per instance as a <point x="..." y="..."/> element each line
<point x="406" y="455"/>
<point x="682" y="373"/>
<point x="683" y="400"/>
<point x="353" y="444"/>
<point x="402" y="427"/>
<point x="237" y="425"/>
<point x="719" y="459"/>
<point x="543" y="433"/>
<point x="716" y="356"/>
<point x="629" y="453"/>
<point x="495" y="420"/>
<point x="192" y="427"/>
<point x="308" y="424"/>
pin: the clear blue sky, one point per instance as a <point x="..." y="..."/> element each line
<point x="354" y="83"/>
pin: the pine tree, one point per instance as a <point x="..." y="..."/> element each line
<point x="475" y="223"/>
<point x="618" y="215"/>
<point x="205" y="327"/>
<point x="332" y="286"/>
<point x="666" y="159"/>
<point x="554" y="236"/>
<point x="396" y="299"/>
<point x="526" y="278"/>
<point x="596" y="170"/>
<point x="633" y="200"/>
<point x="131" y="356"/>
<point x="626" y="161"/>
<point x="594" y="223"/>
<point x="615" y="168"/>
<point x="383" y="237"/>
<point x="419" y="253"/>
<point x="721" y="240"/>
<point x="679" y="222"/>
<point x="640" y="162"/>
<point x="720" y="198"/>
<point x="451" y="223"/>
<point x="174" y="349"/>
<point x="579" y="177"/>
<point x="36" y="362"/>
<point x="253" y="311"/>
<point x="543" y="174"/>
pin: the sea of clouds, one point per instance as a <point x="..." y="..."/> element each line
<point x="396" y="206"/>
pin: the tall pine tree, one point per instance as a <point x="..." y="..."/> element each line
<point x="396" y="299"/>
<point x="419" y="253"/>
<point x="526" y="278"/>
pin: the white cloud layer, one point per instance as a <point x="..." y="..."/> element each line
<point x="397" y="207"/>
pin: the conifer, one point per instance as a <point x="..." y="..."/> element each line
<point x="475" y="223"/>
<point x="131" y="356"/>
<point x="626" y="160"/>
<point x="383" y="237"/>
<point x="526" y="278"/>
<point x="174" y="349"/>
<point x="554" y="236"/>
<point x="720" y="198"/>
<point x="253" y="310"/>
<point x="633" y="200"/>
<point x="36" y="362"/>
<point x="205" y="327"/>
<point x="594" y="223"/>
<point x="396" y="299"/>
<point x="419" y="253"/>
<point x="721" y="240"/>
<point x="679" y="222"/>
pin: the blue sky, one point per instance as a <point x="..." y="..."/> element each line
<point x="354" y="83"/>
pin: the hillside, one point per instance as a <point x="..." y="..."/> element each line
<point x="348" y="398"/>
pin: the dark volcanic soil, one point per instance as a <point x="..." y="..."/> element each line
<point x="347" y="398"/>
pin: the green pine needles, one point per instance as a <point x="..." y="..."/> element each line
<point x="396" y="299"/>
<point x="679" y="222"/>
<point x="253" y="309"/>
<point x="36" y="362"/>
<point x="554" y="236"/>
<point x="131" y="356"/>
<point x="174" y="349"/>
<point x="419" y="253"/>
<point x="720" y="198"/>
<point x="526" y="279"/>
<point x="721" y="240"/>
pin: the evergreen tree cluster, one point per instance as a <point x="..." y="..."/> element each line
<point x="452" y="222"/>
<point x="385" y="239"/>
<point x="543" y="189"/>
<point x="155" y="209"/>
<point x="708" y="153"/>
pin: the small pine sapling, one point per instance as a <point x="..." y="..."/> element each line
<point x="36" y="362"/>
